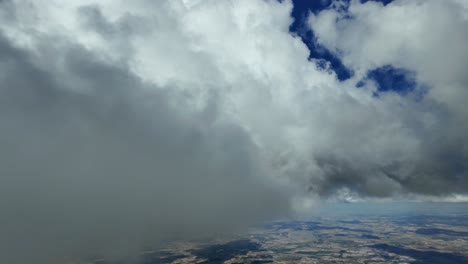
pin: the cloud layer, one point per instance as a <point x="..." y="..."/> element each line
<point x="127" y="124"/>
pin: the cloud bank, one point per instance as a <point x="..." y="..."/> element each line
<point x="124" y="124"/>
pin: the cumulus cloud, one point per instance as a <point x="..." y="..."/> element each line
<point x="97" y="162"/>
<point x="428" y="39"/>
<point x="125" y="124"/>
<point x="115" y="164"/>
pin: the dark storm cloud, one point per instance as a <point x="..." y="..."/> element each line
<point x="95" y="163"/>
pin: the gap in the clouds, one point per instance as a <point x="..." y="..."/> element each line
<point x="300" y="12"/>
<point x="384" y="2"/>
<point x="389" y="78"/>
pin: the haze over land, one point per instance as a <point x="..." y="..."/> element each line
<point x="125" y="124"/>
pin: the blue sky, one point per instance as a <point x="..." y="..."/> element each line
<point x="388" y="78"/>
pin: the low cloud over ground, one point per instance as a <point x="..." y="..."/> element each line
<point x="124" y="124"/>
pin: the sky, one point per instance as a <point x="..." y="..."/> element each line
<point x="127" y="124"/>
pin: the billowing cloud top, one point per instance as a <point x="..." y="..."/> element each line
<point x="128" y="123"/>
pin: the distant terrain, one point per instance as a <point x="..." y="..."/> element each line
<point x="344" y="234"/>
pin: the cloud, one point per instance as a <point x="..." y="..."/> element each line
<point x="97" y="162"/>
<point x="427" y="38"/>
<point x="128" y="124"/>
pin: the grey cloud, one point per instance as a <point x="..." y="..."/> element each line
<point x="93" y="19"/>
<point x="114" y="166"/>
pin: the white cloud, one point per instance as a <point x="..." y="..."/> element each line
<point x="427" y="37"/>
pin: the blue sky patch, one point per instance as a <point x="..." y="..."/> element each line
<point x="385" y="2"/>
<point x="389" y="78"/>
<point x="300" y="12"/>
